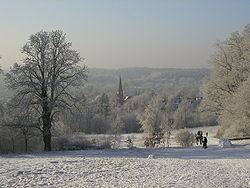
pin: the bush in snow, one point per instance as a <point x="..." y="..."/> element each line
<point x="81" y="142"/>
<point x="185" y="138"/>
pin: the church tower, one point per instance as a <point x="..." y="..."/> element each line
<point x="120" y="97"/>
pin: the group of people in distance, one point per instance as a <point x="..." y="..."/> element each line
<point x="200" y="139"/>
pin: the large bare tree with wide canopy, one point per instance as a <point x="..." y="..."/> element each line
<point x="47" y="76"/>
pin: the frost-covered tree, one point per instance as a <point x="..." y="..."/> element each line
<point x="47" y="76"/>
<point x="235" y="119"/>
<point x="231" y="69"/>
<point x="152" y="117"/>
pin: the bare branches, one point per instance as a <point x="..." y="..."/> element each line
<point x="49" y="69"/>
<point x="48" y="73"/>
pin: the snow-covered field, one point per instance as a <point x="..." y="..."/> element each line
<point x="166" y="167"/>
<point x="171" y="167"/>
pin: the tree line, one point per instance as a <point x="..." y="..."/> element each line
<point x="51" y="96"/>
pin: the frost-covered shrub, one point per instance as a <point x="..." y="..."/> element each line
<point x="149" y="142"/>
<point x="73" y="142"/>
<point x="154" y="140"/>
<point x="81" y="142"/>
<point x="114" y="141"/>
<point x="185" y="138"/>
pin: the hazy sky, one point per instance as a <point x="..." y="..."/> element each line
<point x="125" y="33"/>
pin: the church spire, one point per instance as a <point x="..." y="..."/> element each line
<point x="120" y="97"/>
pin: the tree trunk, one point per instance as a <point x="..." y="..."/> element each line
<point x="46" y="129"/>
<point x="13" y="144"/>
<point x="26" y="143"/>
<point x="47" y="139"/>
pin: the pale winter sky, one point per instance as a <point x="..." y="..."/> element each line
<point x="125" y="33"/>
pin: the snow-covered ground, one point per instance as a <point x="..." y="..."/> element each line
<point x="167" y="167"/>
<point x="170" y="167"/>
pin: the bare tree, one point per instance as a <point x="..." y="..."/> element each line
<point x="47" y="76"/>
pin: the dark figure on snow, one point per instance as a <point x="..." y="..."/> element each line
<point x="204" y="141"/>
<point x="199" y="137"/>
<point x="129" y="142"/>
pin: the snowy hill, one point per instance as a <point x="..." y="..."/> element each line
<point x="173" y="167"/>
